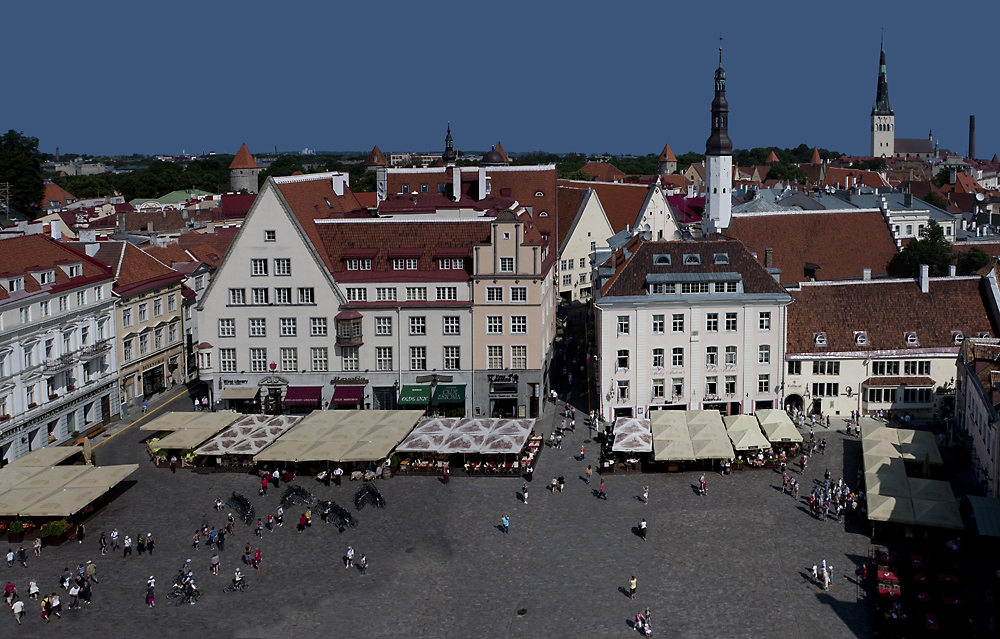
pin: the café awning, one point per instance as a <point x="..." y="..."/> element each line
<point x="449" y="394"/>
<point x="414" y="395"/>
<point x="240" y="392"/>
<point x="303" y="395"/>
<point x="347" y="395"/>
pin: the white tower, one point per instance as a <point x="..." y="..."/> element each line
<point x="718" y="162"/>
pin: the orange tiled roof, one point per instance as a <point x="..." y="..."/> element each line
<point x="56" y="193"/>
<point x="376" y="158"/>
<point x="667" y="155"/>
<point x="570" y="201"/>
<point x="134" y="270"/>
<point x="621" y="202"/>
<point x="603" y="171"/>
<point x="243" y="159"/>
<point x="499" y="149"/>
<point x="24" y="254"/>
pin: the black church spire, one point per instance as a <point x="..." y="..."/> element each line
<point x="719" y="143"/>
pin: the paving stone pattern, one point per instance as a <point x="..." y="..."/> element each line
<point x="732" y="563"/>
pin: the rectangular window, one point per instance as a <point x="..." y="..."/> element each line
<point x="258" y="360"/>
<point x="416" y="293"/>
<point x="258" y="327"/>
<point x="282" y="266"/>
<point x="199" y="282"/>
<point x="144" y="343"/>
<point x="357" y="294"/>
<point x="711" y="356"/>
<point x="359" y="265"/>
<point x="677" y="323"/>
<point x="795" y="368"/>
<point x="518" y="324"/>
<point x="730" y="322"/>
<point x="270" y="236"/>
<point x="317" y="326"/>
<point x="418" y="326"/>
<point x="259" y="296"/>
<point x="712" y="385"/>
<point x="128" y="349"/>
<point x="764" y="354"/>
<point x="383" y="326"/>
<point x="824" y="367"/>
<point x="283" y="296"/>
<point x="418" y="358"/>
<point x="174" y="331"/>
<point x="494" y="324"/>
<point x="306" y="296"/>
<point x="764" y="383"/>
<point x="171" y="303"/>
<point x="45" y="307"/>
<point x="25" y="314"/>
<point x="452" y="358"/>
<point x="659" y="288"/>
<point x="385" y="294"/>
<point x="677" y="357"/>
<point x="827" y="390"/>
<point x="883" y="367"/>
<point x="494" y="357"/>
<point x="350" y="358"/>
<point x="447" y="293"/>
<point x="730" y="356"/>
<point x="506" y="264"/>
<point x="63" y="302"/>
<point x="622" y="361"/>
<point x="917" y="368"/>
<point x="519" y="357"/>
<point x="158" y="338"/>
<point x="320" y="358"/>
<point x="237" y="296"/>
<point x="383" y="358"/>
<point x="143" y="312"/>
<point x="657" y="358"/>
<point x="494" y="293"/>
<point x="567" y="280"/>
<point x="81" y="298"/>
<point x="157" y="307"/>
<point x="583" y="278"/>
<point x="730" y="384"/>
<point x="658" y="388"/>
<point x="258" y="266"/>
<point x="764" y="321"/>
<point x="289" y="326"/>
<point x="677" y="387"/>
<point x="98" y="293"/>
<point x="583" y="262"/>
<point x="227" y="360"/>
<point x="694" y="287"/>
<point x="518" y="294"/>
<point x="622" y="386"/>
<point x="623" y="324"/>
<point x="658" y="324"/>
<point x="452" y="325"/>
<point x="712" y="322"/>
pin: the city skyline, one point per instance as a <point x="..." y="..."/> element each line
<point x="558" y="78"/>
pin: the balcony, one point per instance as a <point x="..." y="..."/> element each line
<point x="349" y="340"/>
<point x="95" y="350"/>
<point x="54" y="365"/>
<point x="349" y="329"/>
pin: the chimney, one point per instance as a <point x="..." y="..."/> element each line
<point x="56" y="229"/>
<point x="456" y="183"/>
<point x="924" y="278"/>
<point x="951" y="270"/>
<point x="482" y="182"/>
<point x="57" y="154"/>
<point x="768" y="257"/>
<point x="88" y="236"/>
<point x="907" y="199"/>
<point x="972" y="137"/>
<point x="338" y="182"/>
<point x="866" y="273"/>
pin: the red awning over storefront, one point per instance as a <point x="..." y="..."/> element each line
<point x="303" y="395"/>
<point x="347" y="395"/>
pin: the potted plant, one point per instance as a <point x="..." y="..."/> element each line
<point x="4" y="418"/>
<point x="32" y="405"/>
<point x="53" y="395"/>
<point x="55" y="532"/>
<point x="70" y="387"/>
<point x="15" y="532"/>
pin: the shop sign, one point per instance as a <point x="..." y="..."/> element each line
<point x="349" y="381"/>
<point x="510" y="378"/>
<point x="235" y="382"/>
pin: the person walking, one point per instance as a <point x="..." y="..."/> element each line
<point x="140" y="545"/>
<point x="505" y="522"/>
<point x="259" y="531"/>
<point x="631" y="587"/>
<point x="56" y="605"/>
<point x="104" y="544"/>
<point x="22" y="556"/>
<point x="590" y="473"/>
<point x="302" y="523"/>
<point x="562" y="483"/>
<point x="826" y="580"/>
<point x="645" y="495"/>
<point x="349" y="557"/>
<point x="86" y="591"/>
<point x="280" y="517"/>
<point x="602" y="494"/>
<point x="524" y="493"/>
<point x="815" y="572"/>
<point x="18" y="609"/>
<point x="196" y="540"/>
<point x="215" y="563"/>
<point x="114" y="539"/>
<point x="151" y="592"/>
<point x="220" y="540"/>
<point x="145" y="405"/>
<point x="256" y="560"/>
<point x="74" y="596"/>
<point x="263" y="484"/>
<point x="363" y="564"/>
<point x="126" y="547"/>
<point x="33" y="589"/>
<point x="704" y="486"/>
<point x="90" y="572"/>
<point x="642" y="529"/>
<point x="829" y="571"/>
<point x="173" y="464"/>
<point x="270" y="522"/>
<point x="10" y="551"/>
<point x="583" y="452"/>
<point x="38" y="546"/>
<point x="46" y="606"/>
<point x="81" y="532"/>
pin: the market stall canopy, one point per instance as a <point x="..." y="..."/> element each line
<point x="347" y="395"/>
<point x="58" y="491"/>
<point x="673" y="449"/>
<point x="303" y="396"/>
<point x="428" y="435"/>
<point x="414" y="395"/>
<point x="198" y="421"/>
<point x="237" y="393"/>
<point x="986" y="513"/>
<point x="665" y="419"/>
<point x="714" y="448"/>
<point x="878" y="431"/>
<point x="931" y="489"/>
<point x="887" y="484"/>
<point x="939" y="514"/>
<point x="919" y="445"/>
<point x="632" y="435"/>
<point x="876" y="463"/>
<point x="891" y="509"/>
<point x="777" y="426"/>
<point x="45" y="456"/>
<point x="342" y="436"/>
<point x="879" y="447"/>
<point x="744" y="431"/>
<point x="249" y="435"/>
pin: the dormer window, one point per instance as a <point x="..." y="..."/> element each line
<point x="543" y="214"/>
<point x="46" y="277"/>
<point x="692" y="259"/>
<point x="75" y="270"/>
<point x="861" y="338"/>
<point x="819" y="339"/>
<point x="539" y="194"/>
<point x="661" y="260"/>
<point x="721" y="258"/>
<point x="911" y="340"/>
<point x="958" y="337"/>
<point x="15" y="284"/>
<point x="984" y="334"/>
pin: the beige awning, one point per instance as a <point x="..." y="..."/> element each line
<point x="777" y="426"/>
<point x="185" y="438"/>
<point x="240" y="392"/>
<point x="55" y="477"/>
<point x="883" y="508"/>
<point x="718" y="447"/>
<point x="878" y="431"/>
<point x="45" y="456"/>
<point x="880" y="448"/>
<point x="675" y="449"/>
<point x="16" y="500"/>
<point x="878" y="464"/>
<point x="939" y="514"/>
<point x="79" y="492"/>
<point x="887" y="484"/>
<point x="744" y="431"/>
<point x="336" y="435"/>
<point x="930" y="489"/>
<point x="170" y="421"/>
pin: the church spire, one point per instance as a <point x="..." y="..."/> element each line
<point x="719" y="143"/>
<point x="882" y="92"/>
<point x="449" y="156"/>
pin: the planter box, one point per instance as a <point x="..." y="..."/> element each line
<point x="56" y="540"/>
<point x="15" y="537"/>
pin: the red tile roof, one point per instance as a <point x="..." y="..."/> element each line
<point x="570" y="201"/>
<point x="367" y="199"/>
<point x="603" y="171"/>
<point x="499" y="149"/>
<point x="963" y="184"/>
<point x="23" y="254"/>
<point x="622" y="202"/>
<point x="886" y="310"/>
<point x="844" y="178"/>
<point x="134" y="270"/>
<point x="673" y="181"/>
<point x="233" y="206"/>
<point x="207" y="254"/>
<point x="772" y="158"/>
<point x="667" y="155"/>
<point x="243" y="159"/>
<point x="376" y="158"/>
<point x="312" y="198"/>
<point x="840" y="242"/>
<point x="220" y="240"/>
<point x="170" y="254"/>
<point x="814" y="158"/>
<point x="687" y="210"/>
<point x="56" y="193"/>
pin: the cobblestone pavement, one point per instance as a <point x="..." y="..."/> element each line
<point x="732" y="563"/>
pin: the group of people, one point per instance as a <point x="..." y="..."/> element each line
<point x="835" y="496"/>
<point x="822" y="573"/>
<point x="363" y="561"/>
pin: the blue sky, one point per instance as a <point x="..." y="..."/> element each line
<point x="624" y="77"/>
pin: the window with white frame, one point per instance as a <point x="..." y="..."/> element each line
<point x="622" y="388"/>
<point x="583" y="278"/>
<point x="270" y="236"/>
<point x="730" y="384"/>
<point x="157" y="307"/>
<point x="260" y="296"/>
<point x="418" y="326"/>
<point x="383" y="358"/>
<point x="25" y="314"/>
<point x="416" y="293"/>
<point x="658" y="324"/>
<point x="81" y="298"/>
<point x="174" y="331"/>
<point x="307" y="296"/>
<point x="45" y="307"/>
<point x="712" y="322"/>
<point x="677" y="323"/>
<point x="677" y="387"/>
<point x="128" y="349"/>
<point x="320" y="358"/>
<point x="63" y="302"/>
<point x="712" y="356"/>
<point x="658" y="388"/>
<point x="143" y="312"/>
<point x="583" y="262"/>
<point x="623" y="324"/>
<point x="917" y="368"/>
<point x="494" y="357"/>
<point x="452" y="324"/>
<point x="258" y="327"/>
<point x="288" y="326"/>
<point x="171" y="303"/>
<point x="494" y="293"/>
<point x="418" y="358"/>
<point x="677" y="357"/>
<point x="764" y="354"/>
<point x="143" y="343"/>
<point x="494" y="324"/>
<point x="317" y="326"/>
<point x="385" y="294"/>
<point x="447" y="293"/>
<point x="199" y="282"/>
<point x="622" y="359"/>
<point x="31" y="395"/>
<point x="518" y="294"/>
<point x="452" y="358"/>
<point x="258" y="266"/>
<point x="712" y="385"/>
<point x="794" y="367"/>
<point x="764" y="383"/>
<point x="359" y="265"/>
<point x="657" y="358"/>
<point x="237" y="296"/>
<point x="383" y="325"/>
<point x="283" y="266"/>
<point x="158" y="338"/>
<point x="258" y="360"/>
<point x="227" y="327"/>
<point x="227" y="360"/>
<point x="567" y="280"/>
<point x="357" y="294"/>
<point x="764" y="321"/>
<point x="350" y="357"/>
<point x="730" y="356"/>
<point x="518" y="324"/>
<point x="98" y="293"/>
<point x="519" y="357"/>
<point x="506" y="264"/>
<point x="731" y="322"/>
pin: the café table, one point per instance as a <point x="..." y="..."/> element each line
<point x="931" y="621"/>
<point x="886" y="575"/>
<point x="916" y="561"/>
<point x="948" y="579"/>
<point x="920" y="578"/>
<point x="923" y="597"/>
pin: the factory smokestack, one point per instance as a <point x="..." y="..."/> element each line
<point x="972" y="137"/>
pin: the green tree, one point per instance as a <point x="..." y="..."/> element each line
<point x="934" y="199"/>
<point x="942" y="177"/>
<point x="931" y="249"/>
<point x="21" y="166"/>
<point x="687" y="159"/>
<point x="875" y="164"/>
<point x="972" y="260"/>
<point x="786" y="173"/>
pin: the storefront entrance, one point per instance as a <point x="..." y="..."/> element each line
<point x="153" y="381"/>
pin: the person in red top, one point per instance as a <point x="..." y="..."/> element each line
<point x="263" y="485"/>
<point x="302" y="522"/>
<point x="256" y="560"/>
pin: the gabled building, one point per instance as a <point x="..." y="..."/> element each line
<point x="58" y="365"/>
<point x="687" y="325"/>
<point x="978" y="403"/>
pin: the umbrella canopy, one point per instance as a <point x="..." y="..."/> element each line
<point x="633" y="442"/>
<point x="45" y="457"/>
<point x="673" y="449"/>
<point x="938" y="514"/>
<point x="879" y="447"/>
<point x="625" y="425"/>
<point x="417" y="443"/>
<point x="930" y="489"/>
<point x="887" y="484"/>
<point x="749" y="439"/>
<point x="878" y="431"/>
<point x="896" y="510"/>
<point x="703" y="417"/>
<point x="777" y="426"/>
<point x="436" y="425"/>
<point x="714" y="448"/>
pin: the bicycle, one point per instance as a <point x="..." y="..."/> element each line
<point x="182" y="597"/>
<point x="243" y="586"/>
